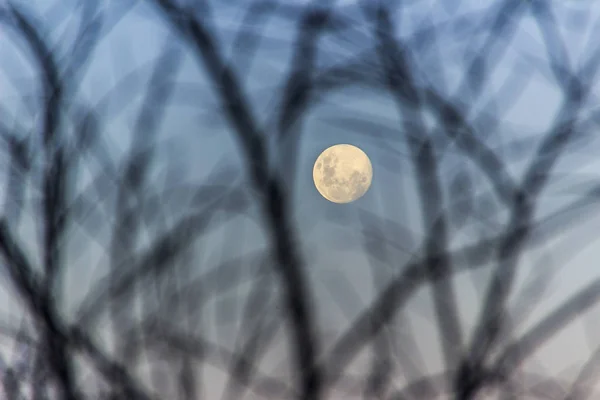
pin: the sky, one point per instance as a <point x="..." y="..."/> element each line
<point x="196" y="135"/>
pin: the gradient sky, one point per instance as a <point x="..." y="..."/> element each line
<point x="200" y="138"/>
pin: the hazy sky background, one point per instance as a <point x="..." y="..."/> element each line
<point x="195" y="133"/>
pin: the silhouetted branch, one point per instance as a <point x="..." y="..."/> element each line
<point x="273" y="198"/>
<point x="188" y="270"/>
<point x="429" y="189"/>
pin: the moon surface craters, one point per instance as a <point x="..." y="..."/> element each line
<point x="342" y="173"/>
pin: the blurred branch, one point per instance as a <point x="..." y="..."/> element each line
<point x="274" y="204"/>
<point x="297" y="93"/>
<point x="394" y="296"/>
<point x="433" y="209"/>
<point x="202" y="349"/>
<point x="156" y="259"/>
<point x="126" y="229"/>
<point x="535" y="179"/>
<point x="516" y="352"/>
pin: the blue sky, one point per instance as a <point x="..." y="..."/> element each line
<point x="198" y="137"/>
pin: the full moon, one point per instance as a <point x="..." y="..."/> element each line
<point x="342" y="173"/>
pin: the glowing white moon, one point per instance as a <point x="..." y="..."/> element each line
<point x="342" y="173"/>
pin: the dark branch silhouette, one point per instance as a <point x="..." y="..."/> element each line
<point x="157" y="239"/>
